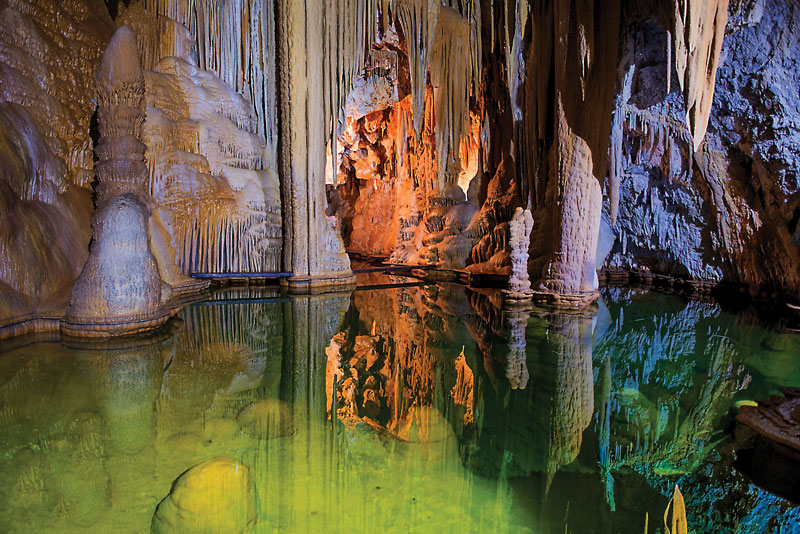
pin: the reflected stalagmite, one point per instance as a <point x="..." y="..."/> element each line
<point x="517" y="359"/>
<point x="566" y="397"/>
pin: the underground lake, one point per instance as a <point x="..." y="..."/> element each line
<point x="450" y="414"/>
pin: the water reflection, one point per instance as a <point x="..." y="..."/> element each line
<point x="420" y="409"/>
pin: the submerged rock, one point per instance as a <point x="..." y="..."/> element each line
<point x="267" y="418"/>
<point x="216" y="496"/>
<point x="426" y="425"/>
<point x="777" y="419"/>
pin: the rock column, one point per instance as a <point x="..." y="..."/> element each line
<point x="313" y="248"/>
<point x="119" y="290"/>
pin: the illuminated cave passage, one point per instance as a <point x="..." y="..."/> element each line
<point x="517" y="266"/>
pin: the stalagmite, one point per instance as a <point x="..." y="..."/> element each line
<point x="520" y="228"/>
<point x="119" y="290"/>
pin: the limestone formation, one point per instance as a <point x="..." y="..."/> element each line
<point x="214" y="496"/>
<point x="49" y="53"/>
<point x="212" y="173"/>
<point x="120" y="289"/>
<point x="283" y="136"/>
<point x="519" y="284"/>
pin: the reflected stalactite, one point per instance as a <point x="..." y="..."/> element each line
<point x="604" y="432"/>
<point x="463" y="391"/>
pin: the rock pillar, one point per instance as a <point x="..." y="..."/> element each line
<point x="313" y="248"/>
<point x="119" y="290"/>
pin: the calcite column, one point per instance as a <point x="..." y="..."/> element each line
<point x="119" y="290"/>
<point x="568" y="104"/>
<point x="574" y="199"/>
<point x="313" y="248"/>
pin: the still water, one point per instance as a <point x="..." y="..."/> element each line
<point x="415" y="408"/>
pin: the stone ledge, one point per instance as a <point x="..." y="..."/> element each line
<point x="565" y="300"/>
<point x="122" y="326"/>
<point x="318" y="283"/>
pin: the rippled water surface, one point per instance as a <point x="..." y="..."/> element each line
<point x="450" y="415"/>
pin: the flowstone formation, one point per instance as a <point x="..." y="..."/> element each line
<point x="49" y="53"/>
<point x="119" y="290"/>
<point x="211" y="151"/>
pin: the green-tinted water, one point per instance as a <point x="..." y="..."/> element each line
<point x="453" y="416"/>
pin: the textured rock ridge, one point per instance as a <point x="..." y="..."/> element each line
<point x="49" y="53"/>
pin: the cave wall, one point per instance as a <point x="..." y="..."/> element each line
<point x="728" y="212"/>
<point x="668" y="125"/>
<point x="49" y="52"/>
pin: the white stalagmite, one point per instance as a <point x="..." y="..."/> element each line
<point x="520" y="230"/>
<point x="697" y="33"/>
<point x="418" y="19"/>
<point x="451" y="74"/>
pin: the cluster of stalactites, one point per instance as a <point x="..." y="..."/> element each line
<point x="697" y="31"/>
<point x="350" y="30"/>
<point x="471" y="11"/>
<point x="418" y="19"/>
<point x="236" y="40"/>
<point x="451" y="73"/>
<point x="443" y="36"/>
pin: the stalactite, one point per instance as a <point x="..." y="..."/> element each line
<point x="514" y="43"/>
<point x="451" y="74"/>
<point x="471" y="11"/>
<point x="615" y="149"/>
<point x="418" y="19"/>
<point x="350" y="29"/>
<point x="235" y="40"/>
<point x="698" y="27"/>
